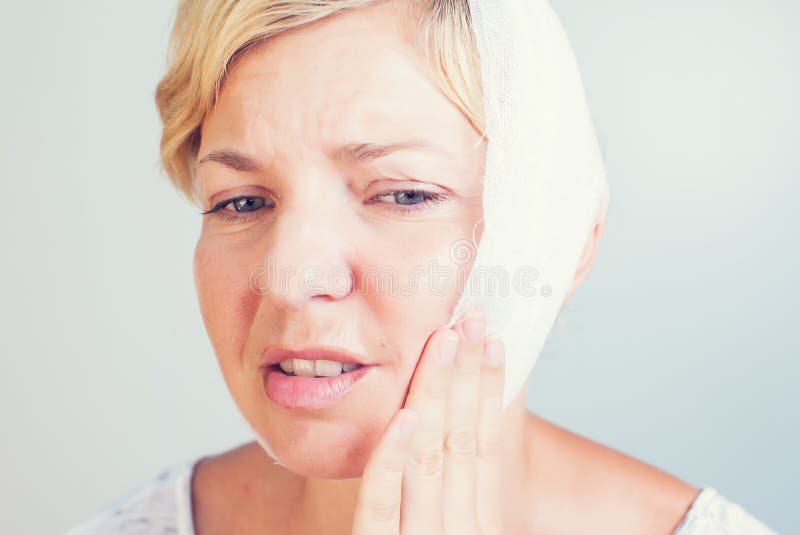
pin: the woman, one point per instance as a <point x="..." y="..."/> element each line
<point x="334" y="146"/>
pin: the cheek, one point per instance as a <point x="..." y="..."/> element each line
<point x="227" y="303"/>
<point x="417" y="291"/>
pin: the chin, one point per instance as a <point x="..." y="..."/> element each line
<point x="332" y="466"/>
<point x="326" y="450"/>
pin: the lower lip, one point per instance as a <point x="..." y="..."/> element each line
<point x="296" y="392"/>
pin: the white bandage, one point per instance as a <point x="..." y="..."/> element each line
<point x="544" y="185"/>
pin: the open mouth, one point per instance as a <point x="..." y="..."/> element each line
<point x="307" y="384"/>
<point x="314" y="368"/>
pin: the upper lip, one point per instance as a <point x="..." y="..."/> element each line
<point x="277" y="354"/>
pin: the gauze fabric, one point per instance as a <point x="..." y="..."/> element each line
<point x="544" y="184"/>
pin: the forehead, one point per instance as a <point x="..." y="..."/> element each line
<point x="354" y="76"/>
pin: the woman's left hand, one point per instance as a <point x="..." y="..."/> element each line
<point x="436" y="469"/>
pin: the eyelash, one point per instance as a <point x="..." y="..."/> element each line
<point x="217" y="213"/>
<point x="429" y="198"/>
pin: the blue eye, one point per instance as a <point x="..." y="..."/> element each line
<point x="245" y="208"/>
<point x="248" y="204"/>
<point x="408" y="200"/>
<point x="410" y="197"/>
<point x="244" y="205"/>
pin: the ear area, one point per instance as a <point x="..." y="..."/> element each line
<point x="588" y="256"/>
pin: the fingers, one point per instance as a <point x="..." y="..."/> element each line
<point x="489" y="503"/>
<point x="422" y="503"/>
<point x="379" y="497"/>
<point x="461" y="427"/>
<point x="444" y="477"/>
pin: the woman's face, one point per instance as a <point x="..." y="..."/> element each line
<point x="348" y="163"/>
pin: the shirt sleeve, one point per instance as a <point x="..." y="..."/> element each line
<point x="161" y="507"/>
<point x="713" y="514"/>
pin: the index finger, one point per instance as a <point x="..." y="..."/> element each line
<point x="379" y="496"/>
<point x="422" y="483"/>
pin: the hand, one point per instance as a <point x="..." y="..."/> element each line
<point x="436" y="469"/>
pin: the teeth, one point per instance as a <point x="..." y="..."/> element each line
<point x="316" y="368"/>
<point x="303" y="368"/>
<point x="327" y="368"/>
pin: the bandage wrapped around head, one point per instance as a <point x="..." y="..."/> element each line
<point x="544" y="185"/>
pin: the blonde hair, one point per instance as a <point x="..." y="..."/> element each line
<point x="209" y="35"/>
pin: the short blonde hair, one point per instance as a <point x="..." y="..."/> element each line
<point x="209" y="35"/>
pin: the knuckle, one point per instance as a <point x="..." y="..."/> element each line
<point x="384" y="512"/>
<point x="429" y="462"/>
<point x="489" y="445"/>
<point x="392" y="467"/>
<point x="469" y="368"/>
<point x="461" y="443"/>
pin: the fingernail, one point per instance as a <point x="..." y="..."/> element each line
<point x="448" y="344"/>
<point x="494" y="352"/>
<point x="474" y="325"/>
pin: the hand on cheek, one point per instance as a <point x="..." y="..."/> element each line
<point x="436" y="469"/>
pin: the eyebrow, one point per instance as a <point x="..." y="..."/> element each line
<point x="351" y="152"/>
<point x="235" y="160"/>
<point x="367" y="152"/>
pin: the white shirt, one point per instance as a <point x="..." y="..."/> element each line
<point x="163" y="506"/>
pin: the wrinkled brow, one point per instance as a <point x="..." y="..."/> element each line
<point x="351" y="152"/>
<point x="373" y="151"/>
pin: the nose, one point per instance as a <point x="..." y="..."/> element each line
<point x="308" y="248"/>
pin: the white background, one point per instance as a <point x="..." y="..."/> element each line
<point x="680" y="349"/>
